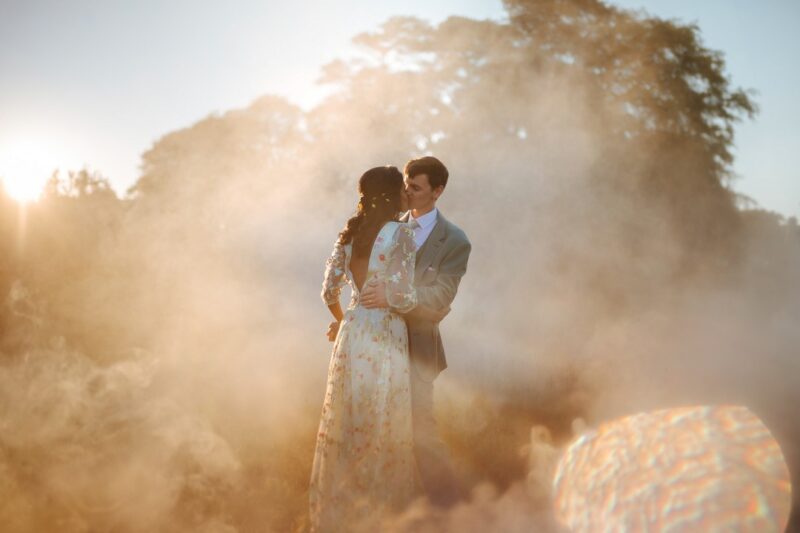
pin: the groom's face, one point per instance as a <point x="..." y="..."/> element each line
<point x="404" y="200"/>
<point x="420" y="194"/>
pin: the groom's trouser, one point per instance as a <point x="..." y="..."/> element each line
<point x="436" y="471"/>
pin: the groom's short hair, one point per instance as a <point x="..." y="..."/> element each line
<point x="435" y="170"/>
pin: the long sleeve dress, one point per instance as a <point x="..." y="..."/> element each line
<point x="364" y="462"/>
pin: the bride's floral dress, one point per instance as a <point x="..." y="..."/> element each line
<point x="364" y="463"/>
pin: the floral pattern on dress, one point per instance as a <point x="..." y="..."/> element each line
<point x="364" y="463"/>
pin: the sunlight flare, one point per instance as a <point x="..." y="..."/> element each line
<point x="25" y="168"/>
<point x="22" y="190"/>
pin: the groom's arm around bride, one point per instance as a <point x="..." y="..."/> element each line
<point x="438" y="285"/>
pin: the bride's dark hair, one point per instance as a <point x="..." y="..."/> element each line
<point x="380" y="189"/>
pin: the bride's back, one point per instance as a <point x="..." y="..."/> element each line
<point x="359" y="268"/>
<point x="362" y="266"/>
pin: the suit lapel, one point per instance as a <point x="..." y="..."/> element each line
<point x="427" y="253"/>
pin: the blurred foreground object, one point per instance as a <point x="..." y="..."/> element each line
<point x="686" y="469"/>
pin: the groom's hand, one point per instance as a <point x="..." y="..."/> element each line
<point x="374" y="295"/>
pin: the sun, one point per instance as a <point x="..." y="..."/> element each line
<point x="24" y="170"/>
<point x="23" y="190"/>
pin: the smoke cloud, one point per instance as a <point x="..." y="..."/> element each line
<point x="164" y="355"/>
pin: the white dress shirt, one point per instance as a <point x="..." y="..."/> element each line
<point x="426" y="223"/>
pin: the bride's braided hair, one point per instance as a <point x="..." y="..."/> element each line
<point x="379" y="202"/>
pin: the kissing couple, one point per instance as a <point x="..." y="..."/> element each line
<point x="377" y="446"/>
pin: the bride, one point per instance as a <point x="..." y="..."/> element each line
<point x="364" y="462"/>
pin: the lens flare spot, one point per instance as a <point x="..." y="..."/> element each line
<point x="703" y="468"/>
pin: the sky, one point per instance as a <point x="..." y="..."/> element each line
<point x="94" y="83"/>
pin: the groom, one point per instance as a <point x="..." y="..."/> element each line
<point x="441" y="260"/>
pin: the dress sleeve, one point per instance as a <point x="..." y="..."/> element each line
<point x="334" y="275"/>
<point x="401" y="295"/>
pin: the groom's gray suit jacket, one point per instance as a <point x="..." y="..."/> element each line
<point x="440" y="264"/>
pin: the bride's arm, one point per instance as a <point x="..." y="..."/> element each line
<point x="333" y="327"/>
<point x="399" y="292"/>
<point x="332" y="286"/>
<point x="336" y="311"/>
